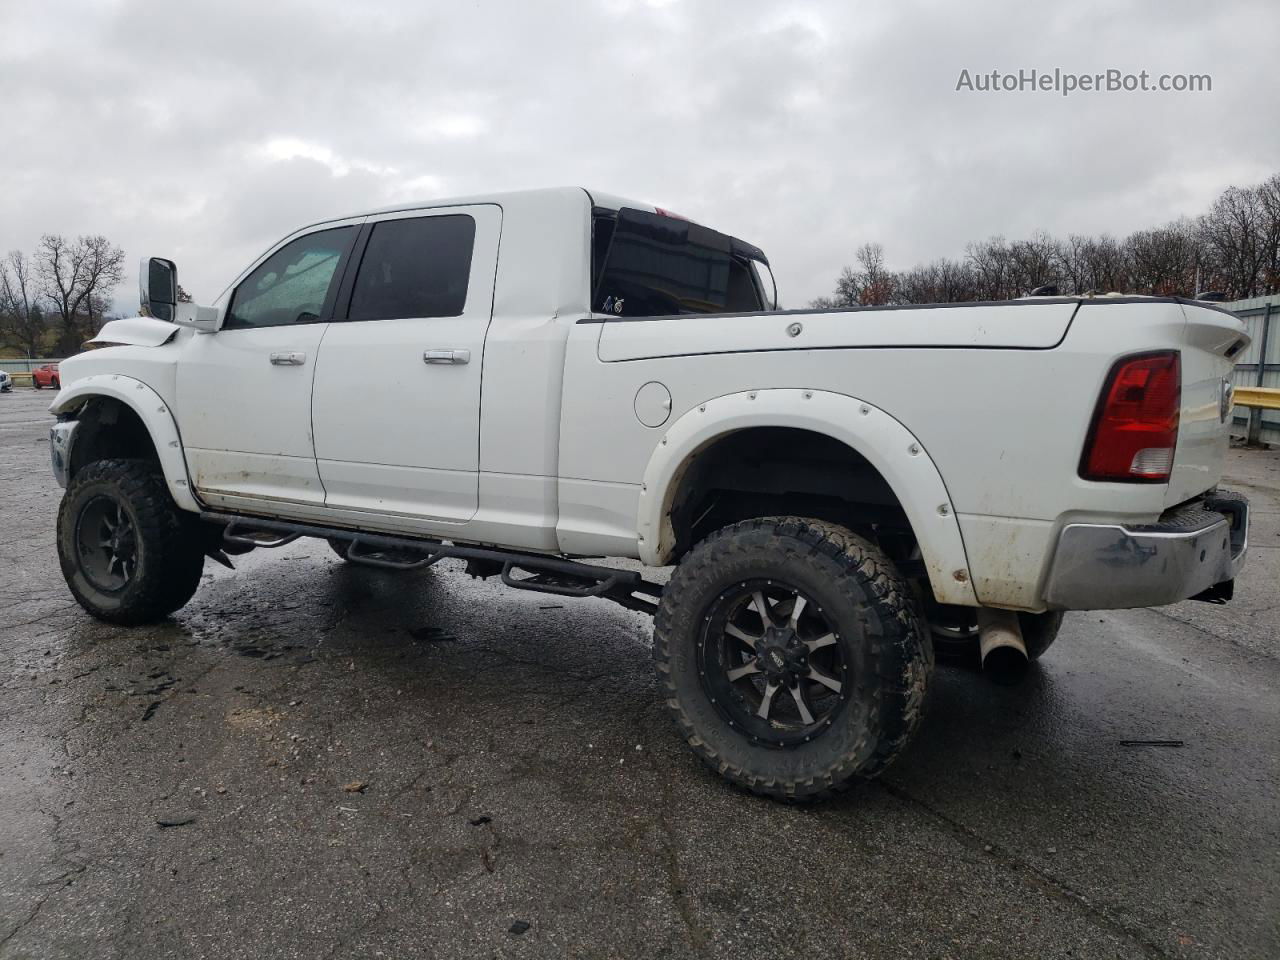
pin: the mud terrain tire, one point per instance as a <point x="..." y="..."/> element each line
<point x="129" y="555"/>
<point x="858" y="613"/>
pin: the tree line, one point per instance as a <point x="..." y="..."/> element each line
<point x="1233" y="249"/>
<point x="55" y="298"/>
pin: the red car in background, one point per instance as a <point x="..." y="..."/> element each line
<point x="46" y="376"/>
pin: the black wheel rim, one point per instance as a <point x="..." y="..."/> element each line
<point x="106" y="544"/>
<point x="772" y="663"/>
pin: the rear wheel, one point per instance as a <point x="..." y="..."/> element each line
<point x="129" y="555"/>
<point x="791" y="656"/>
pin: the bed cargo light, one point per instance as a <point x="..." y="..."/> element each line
<point x="1135" y="426"/>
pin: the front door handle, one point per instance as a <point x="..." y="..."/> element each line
<point x="446" y="356"/>
<point x="291" y="359"/>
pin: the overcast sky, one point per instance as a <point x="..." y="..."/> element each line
<point x="806" y="128"/>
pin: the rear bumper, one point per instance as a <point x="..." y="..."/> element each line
<point x="1192" y="549"/>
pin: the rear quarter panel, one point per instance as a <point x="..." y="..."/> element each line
<point x="1000" y="397"/>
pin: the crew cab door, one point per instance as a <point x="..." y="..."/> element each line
<point x="244" y="393"/>
<point x="396" y="407"/>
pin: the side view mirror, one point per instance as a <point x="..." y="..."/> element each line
<point x="158" y="287"/>
<point x="158" y="292"/>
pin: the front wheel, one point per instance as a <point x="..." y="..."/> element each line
<point x="129" y="555"/>
<point x="792" y="657"/>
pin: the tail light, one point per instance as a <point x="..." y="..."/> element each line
<point x="1135" y="427"/>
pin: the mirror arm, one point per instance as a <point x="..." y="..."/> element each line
<point x="204" y="319"/>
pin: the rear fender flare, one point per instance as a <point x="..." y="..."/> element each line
<point x="886" y="444"/>
<point x="155" y="415"/>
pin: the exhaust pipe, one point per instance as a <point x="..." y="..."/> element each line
<point x="1004" y="655"/>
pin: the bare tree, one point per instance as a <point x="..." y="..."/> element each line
<point x="1233" y="231"/>
<point x="1093" y="265"/>
<point x="77" y="278"/>
<point x="943" y="281"/>
<point x="1033" y="263"/>
<point x="1163" y="262"/>
<point x="22" y="322"/>
<point x="1234" y="248"/>
<point x="876" y="281"/>
<point x="1269" y="200"/>
<point x="870" y="285"/>
<point x="989" y="260"/>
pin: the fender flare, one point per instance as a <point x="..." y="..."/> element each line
<point x="885" y="443"/>
<point x="155" y="415"/>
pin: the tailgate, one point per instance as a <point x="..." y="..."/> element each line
<point x="1212" y="339"/>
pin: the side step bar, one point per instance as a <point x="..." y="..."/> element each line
<point x="565" y="578"/>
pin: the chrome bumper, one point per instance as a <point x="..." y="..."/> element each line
<point x="61" y="435"/>
<point x="1192" y="549"/>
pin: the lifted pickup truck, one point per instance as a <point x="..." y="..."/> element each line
<point x="530" y="380"/>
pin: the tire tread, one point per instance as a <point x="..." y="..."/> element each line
<point x="173" y="558"/>
<point x="905" y="653"/>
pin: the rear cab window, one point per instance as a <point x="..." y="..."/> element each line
<point x="650" y="265"/>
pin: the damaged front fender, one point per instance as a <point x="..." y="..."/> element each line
<point x="135" y="332"/>
<point x="155" y="415"/>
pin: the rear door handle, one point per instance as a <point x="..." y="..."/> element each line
<point x="446" y="356"/>
<point x="290" y="359"/>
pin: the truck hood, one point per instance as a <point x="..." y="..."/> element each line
<point x="135" y="332"/>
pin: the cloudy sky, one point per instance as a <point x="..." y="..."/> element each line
<point x="205" y="131"/>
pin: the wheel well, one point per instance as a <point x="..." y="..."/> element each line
<point x="786" y="471"/>
<point x="109" y="428"/>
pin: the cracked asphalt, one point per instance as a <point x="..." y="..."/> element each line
<point x="312" y="760"/>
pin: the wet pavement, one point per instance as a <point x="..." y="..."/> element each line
<point x="312" y="760"/>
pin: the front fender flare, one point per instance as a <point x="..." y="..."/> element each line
<point x="885" y="443"/>
<point x="155" y="416"/>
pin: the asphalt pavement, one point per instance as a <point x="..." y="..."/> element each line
<point x="314" y="760"/>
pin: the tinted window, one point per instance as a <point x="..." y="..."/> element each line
<point x="658" y="266"/>
<point x="293" y="284"/>
<point x="601" y="236"/>
<point x="415" y="268"/>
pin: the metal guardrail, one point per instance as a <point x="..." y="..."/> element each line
<point x="1258" y="366"/>
<point x="1260" y="398"/>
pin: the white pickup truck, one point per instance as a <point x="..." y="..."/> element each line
<point x="530" y="380"/>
